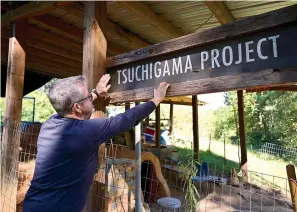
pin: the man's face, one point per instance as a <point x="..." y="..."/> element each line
<point x="86" y="106"/>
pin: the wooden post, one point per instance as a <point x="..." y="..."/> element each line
<point x="171" y="119"/>
<point x="11" y="129"/>
<point x="157" y="126"/>
<point x="243" y="150"/>
<point x="195" y="127"/>
<point x="293" y="185"/>
<point x="94" y="59"/>
<point x="127" y="106"/>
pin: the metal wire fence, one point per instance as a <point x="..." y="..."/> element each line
<point x="287" y="153"/>
<point x="216" y="187"/>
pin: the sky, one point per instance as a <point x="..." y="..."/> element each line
<point x="214" y="100"/>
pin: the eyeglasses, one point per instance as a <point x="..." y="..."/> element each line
<point x="88" y="97"/>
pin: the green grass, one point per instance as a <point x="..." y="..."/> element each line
<point x="263" y="170"/>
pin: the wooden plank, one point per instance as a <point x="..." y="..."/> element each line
<point x="29" y="10"/>
<point x="181" y="100"/>
<point x="273" y="88"/>
<point x="195" y="127"/>
<point x="12" y="119"/>
<point x="157" y="127"/>
<point x="71" y="31"/>
<point x="211" y="85"/>
<point x="144" y="12"/>
<point x="53" y="38"/>
<point x="94" y="59"/>
<point x="39" y="44"/>
<point x="59" y="25"/>
<point x="243" y="149"/>
<point x="54" y="57"/>
<point x="39" y="64"/>
<point x="257" y="23"/>
<point x="220" y="11"/>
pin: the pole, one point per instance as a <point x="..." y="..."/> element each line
<point x="195" y="127"/>
<point x="138" y="203"/>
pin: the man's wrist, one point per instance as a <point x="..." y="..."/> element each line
<point x="96" y="93"/>
<point x="157" y="101"/>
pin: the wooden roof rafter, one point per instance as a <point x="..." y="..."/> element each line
<point x="220" y="11"/>
<point x="273" y="88"/>
<point x="30" y="9"/>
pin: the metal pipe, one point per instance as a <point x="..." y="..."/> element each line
<point x="138" y="203"/>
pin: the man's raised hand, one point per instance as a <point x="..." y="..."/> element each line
<point x="160" y="93"/>
<point x="102" y="86"/>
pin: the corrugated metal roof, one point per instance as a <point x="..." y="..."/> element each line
<point x="243" y="9"/>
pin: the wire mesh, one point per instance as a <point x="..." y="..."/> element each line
<point x="287" y="153"/>
<point x="220" y="188"/>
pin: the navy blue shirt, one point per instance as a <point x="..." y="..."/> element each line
<point x="66" y="161"/>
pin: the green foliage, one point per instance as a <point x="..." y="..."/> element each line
<point x="270" y="116"/>
<point x="43" y="108"/>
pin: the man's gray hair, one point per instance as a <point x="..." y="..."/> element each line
<point x="65" y="92"/>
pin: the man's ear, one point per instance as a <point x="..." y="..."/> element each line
<point x="76" y="108"/>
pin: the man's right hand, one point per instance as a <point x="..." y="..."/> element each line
<point x="160" y="93"/>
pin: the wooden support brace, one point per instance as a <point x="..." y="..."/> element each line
<point x="11" y="129"/>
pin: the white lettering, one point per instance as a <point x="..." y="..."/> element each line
<point x="273" y="38"/>
<point x="239" y="54"/>
<point x="214" y="58"/>
<point x="204" y="58"/>
<point x="131" y="75"/>
<point x="119" y="76"/>
<point x="248" y="51"/>
<point x="145" y="70"/>
<point x="230" y="55"/>
<point x="151" y="71"/>
<point x="124" y="76"/>
<point x="261" y="56"/>
<point x="136" y="73"/>
<point x="176" y="67"/>
<point x="188" y="64"/>
<point x="159" y="69"/>
<point x="166" y="69"/>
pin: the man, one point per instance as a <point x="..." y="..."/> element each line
<point x="68" y="144"/>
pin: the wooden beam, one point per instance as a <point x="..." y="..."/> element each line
<point x="112" y="29"/>
<point x="220" y="11"/>
<point x="94" y="59"/>
<point x="39" y="44"/>
<point x="157" y="127"/>
<point x="181" y="100"/>
<point x="195" y="127"/>
<point x="12" y="119"/>
<point x="53" y="38"/>
<point x="144" y="12"/>
<point x="233" y="30"/>
<point x="29" y="10"/>
<point x="273" y="88"/>
<point x="243" y="149"/>
<point x="72" y="31"/>
<point x="42" y="64"/>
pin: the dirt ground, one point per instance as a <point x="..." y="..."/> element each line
<point x="230" y="198"/>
